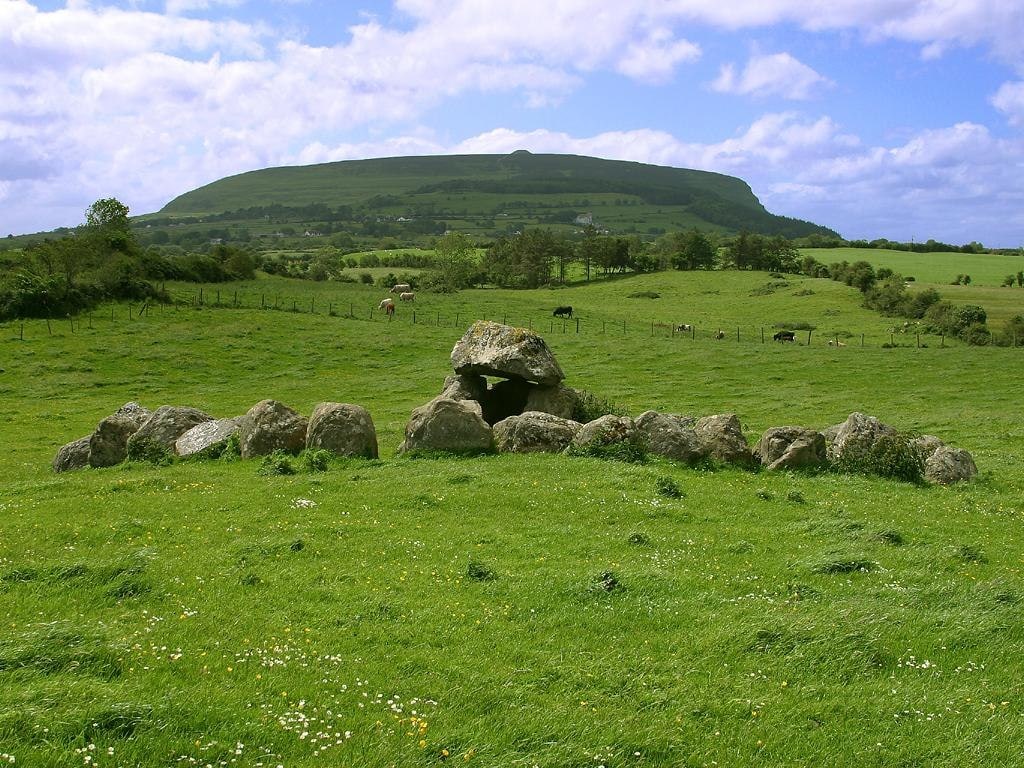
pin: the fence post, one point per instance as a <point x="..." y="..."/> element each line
<point x="504" y="319"/>
<point x="693" y="333"/>
<point x="623" y="326"/>
<point x="414" y="317"/>
<point x="294" y="308"/>
<point x="263" y="301"/>
<point x="312" y="305"/>
<point x="918" y="340"/>
<point x="129" y="310"/>
<point x="862" y="339"/>
<point x="456" y="319"/>
<point x="809" y="338"/>
<point x="762" y="334"/>
<point x="21" y="336"/>
<point x="200" y="296"/>
<point x="738" y="334"/>
<point x="90" y="321"/>
<point x="578" y="329"/>
<point x="892" y="340"/>
<point x="551" y="327"/>
<point x="235" y="302"/>
<point x="218" y="298"/>
<point x="48" y="329"/>
<point x="602" y="326"/>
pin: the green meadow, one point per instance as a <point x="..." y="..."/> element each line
<point x="512" y="610"/>
<point x="988" y="269"/>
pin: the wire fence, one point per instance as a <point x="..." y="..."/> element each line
<point x="410" y="314"/>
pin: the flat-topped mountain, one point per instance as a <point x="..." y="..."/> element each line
<point x="523" y="187"/>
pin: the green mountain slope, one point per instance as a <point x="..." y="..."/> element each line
<point x="527" y="187"/>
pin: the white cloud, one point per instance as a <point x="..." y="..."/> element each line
<point x="777" y="74"/>
<point x="1009" y="99"/>
<point x="655" y="58"/>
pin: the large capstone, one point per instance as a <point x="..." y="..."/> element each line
<point x="209" y="437"/>
<point x="947" y="465"/>
<point x="166" y="424"/>
<point x="456" y="426"/>
<point x="271" y="426"/>
<point x="493" y="349"/>
<point x="855" y="436"/>
<point x="791" y="448"/>
<point x="721" y="438"/>
<point x="74" y="455"/>
<point x="342" y="429"/>
<point x="670" y="435"/>
<point x="108" y="445"/>
<point x="534" y="431"/>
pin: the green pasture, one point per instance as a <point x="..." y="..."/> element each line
<point x="986" y="269"/>
<point x="507" y="610"/>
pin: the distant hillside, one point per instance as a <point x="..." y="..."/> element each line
<point x="493" y="193"/>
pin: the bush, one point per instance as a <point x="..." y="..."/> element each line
<point x="589" y="407"/>
<point x="315" y="460"/>
<point x="366" y="278"/>
<point x="893" y="456"/>
<point x="633" y="450"/>
<point x="150" y="452"/>
<point x="277" y="463"/>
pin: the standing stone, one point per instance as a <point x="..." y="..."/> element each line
<point x="108" y="445"/>
<point x="342" y="429"/>
<point x="949" y="465"/>
<point x="493" y="349"/>
<point x="271" y="426"/>
<point x="464" y="387"/>
<point x="534" y="431"/>
<point x="210" y="436"/>
<point x="721" y="438"/>
<point x="166" y="424"/>
<point x="558" y="400"/>
<point x="74" y="455"/>
<point x="605" y="430"/>
<point x="791" y="448"/>
<point x="670" y="435"/>
<point x="448" y="425"/>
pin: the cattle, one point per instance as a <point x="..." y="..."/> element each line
<point x="683" y="328"/>
<point x="407" y="296"/>
<point x="785" y="336"/>
<point x="401" y="288"/>
<point x="562" y="312"/>
<point x="388" y="305"/>
<point x="720" y="334"/>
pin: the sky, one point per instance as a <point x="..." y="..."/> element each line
<point x="901" y="119"/>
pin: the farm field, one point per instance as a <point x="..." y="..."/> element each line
<point x="985" y="269"/>
<point x="507" y="610"/>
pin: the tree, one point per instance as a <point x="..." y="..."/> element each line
<point x="696" y="252"/>
<point x="456" y="261"/>
<point x="108" y="213"/>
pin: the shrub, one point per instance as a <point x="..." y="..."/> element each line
<point x="366" y="278"/>
<point x="150" y="452"/>
<point x="892" y="456"/>
<point x="669" y="488"/>
<point x="478" y="571"/>
<point x="589" y="407"/>
<point x="276" y="463"/>
<point x="633" y="450"/>
<point x="315" y="460"/>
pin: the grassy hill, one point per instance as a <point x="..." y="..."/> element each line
<point x="494" y="192"/>
<point x="426" y="612"/>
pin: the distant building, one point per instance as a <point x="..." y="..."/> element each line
<point x="584" y="220"/>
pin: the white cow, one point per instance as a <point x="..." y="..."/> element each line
<point x="407" y="296"/>
<point x="401" y="288"/>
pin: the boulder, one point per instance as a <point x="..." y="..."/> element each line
<point x="166" y="424"/>
<point x="605" y="430"/>
<point x="108" y="444"/>
<point x="271" y="426"/>
<point x="858" y="433"/>
<point x="448" y="425"/>
<point x="464" y="387"/>
<point x="926" y="445"/>
<point x="721" y="438"/>
<point x="493" y="349"/>
<point x="556" y="399"/>
<point x="74" y="455"/>
<point x="208" y="436"/>
<point x="791" y="448"/>
<point x="670" y="435"/>
<point x="948" y="465"/>
<point x="534" y="431"/>
<point x="342" y="429"/>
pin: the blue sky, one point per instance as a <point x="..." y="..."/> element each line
<point x="879" y="118"/>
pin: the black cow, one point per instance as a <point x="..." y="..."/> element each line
<point x="785" y="336"/>
<point x="563" y="312"/>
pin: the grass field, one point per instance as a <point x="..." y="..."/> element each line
<point x="507" y="610"/>
<point x="985" y="269"/>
